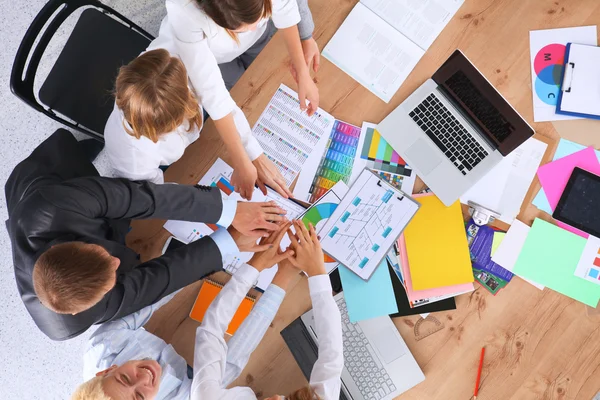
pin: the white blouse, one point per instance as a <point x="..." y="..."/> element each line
<point x="202" y="45"/>
<point x="139" y="159"/>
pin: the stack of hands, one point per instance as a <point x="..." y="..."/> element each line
<point x="267" y="221"/>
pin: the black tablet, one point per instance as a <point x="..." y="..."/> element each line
<point x="579" y="205"/>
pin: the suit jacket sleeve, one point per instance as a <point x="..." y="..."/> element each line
<point x="116" y="198"/>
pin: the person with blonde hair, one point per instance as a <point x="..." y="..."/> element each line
<point x="157" y="115"/>
<point x="212" y="353"/>
<point x="124" y="361"/>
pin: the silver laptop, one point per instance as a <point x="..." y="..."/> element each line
<point x="377" y="363"/>
<point x="454" y="128"/>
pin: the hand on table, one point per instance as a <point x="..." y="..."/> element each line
<point x="272" y="254"/>
<point x="258" y="219"/>
<point x="244" y="178"/>
<point x="268" y="174"/>
<point x="308" y="253"/>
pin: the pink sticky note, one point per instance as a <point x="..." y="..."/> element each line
<point x="414" y="295"/>
<point x="555" y="175"/>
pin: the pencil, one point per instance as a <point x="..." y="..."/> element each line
<point x="479" y="373"/>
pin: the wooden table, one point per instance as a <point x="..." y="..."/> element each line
<point x="539" y="344"/>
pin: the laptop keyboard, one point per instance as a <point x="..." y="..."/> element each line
<point x="448" y="134"/>
<point x="360" y="360"/>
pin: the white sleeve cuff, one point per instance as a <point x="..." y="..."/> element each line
<point x="247" y="273"/>
<point x="253" y="148"/>
<point x="224" y="242"/>
<point x="228" y="213"/>
<point x="319" y="284"/>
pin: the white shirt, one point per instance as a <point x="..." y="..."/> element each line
<point x="202" y="45"/>
<point x="212" y="357"/>
<point x="139" y="159"/>
<point x="123" y="340"/>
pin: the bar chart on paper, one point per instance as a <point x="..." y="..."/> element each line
<point x="366" y="223"/>
<point x="588" y="266"/>
<point x="291" y="139"/>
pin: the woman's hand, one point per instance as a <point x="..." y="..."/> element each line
<point x="306" y="245"/>
<point x="273" y="254"/>
<point x="268" y="174"/>
<point x="258" y="219"/>
<point x="307" y="90"/>
<point x="244" y="178"/>
<point x="310" y="48"/>
<point x="286" y="274"/>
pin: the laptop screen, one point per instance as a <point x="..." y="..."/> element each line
<point x="481" y="102"/>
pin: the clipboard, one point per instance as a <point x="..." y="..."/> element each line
<point x="579" y="94"/>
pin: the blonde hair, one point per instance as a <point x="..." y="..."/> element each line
<point x="153" y="93"/>
<point x="90" y="390"/>
<point x="305" y="393"/>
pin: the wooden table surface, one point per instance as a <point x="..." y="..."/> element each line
<point x="539" y="344"/>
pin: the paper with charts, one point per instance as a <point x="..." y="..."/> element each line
<point x="366" y="223"/>
<point x="219" y="176"/>
<point x="547" y="53"/>
<point x="291" y="139"/>
<point x="588" y="266"/>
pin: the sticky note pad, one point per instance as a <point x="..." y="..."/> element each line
<point x="436" y="244"/>
<point x="368" y="299"/>
<point x="550" y="256"/>
<point x="498" y="236"/>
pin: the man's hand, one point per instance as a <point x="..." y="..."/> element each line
<point x="243" y="179"/>
<point x="268" y="174"/>
<point x="246" y="243"/>
<point x="257" y="219"/>
<point x="286" y="274"/>
<point x="273" y="254"/>
<point x="306" y="245"/>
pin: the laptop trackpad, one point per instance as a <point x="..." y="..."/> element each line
<point x="388" y="345"/>
<point x="424" y="155"/>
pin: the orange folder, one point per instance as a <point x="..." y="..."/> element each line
<point x="208" y="292"/>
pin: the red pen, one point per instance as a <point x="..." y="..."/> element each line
<point x="479" y="374"/>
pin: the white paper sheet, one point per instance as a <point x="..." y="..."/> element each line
<point x="547" y="50"/>
<point x="588" y="267"/>
<point x="421" y="21"/>
<point x="508" y="252"/>
<point x="504" y="188"/>
<point x="191" y="231"/>
<point x="290" y="138"/>
<point x="366" y="223"/>
<point x="372" y="52"/>
<point x="583" y="96"/>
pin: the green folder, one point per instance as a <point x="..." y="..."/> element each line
<point x="549" y="257"/>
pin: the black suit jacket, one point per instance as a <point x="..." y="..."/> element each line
<point x="55" y="196"/>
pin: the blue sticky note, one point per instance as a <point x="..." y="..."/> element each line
<point x="564" y="148"/>
<point x="368" y="299"/>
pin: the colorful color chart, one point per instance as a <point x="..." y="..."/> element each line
<point x="381" y="156"/>
<point x="336" y="164"/>
<point x="548" y="67"/>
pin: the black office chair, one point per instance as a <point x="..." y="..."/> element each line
<point x="77" y="91"/>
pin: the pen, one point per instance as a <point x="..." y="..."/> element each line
<point x="479" y="373"/>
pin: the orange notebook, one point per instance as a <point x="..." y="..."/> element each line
<point x="208" y="292"/>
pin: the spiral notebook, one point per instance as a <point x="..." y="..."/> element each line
<point x="208" y="292"/>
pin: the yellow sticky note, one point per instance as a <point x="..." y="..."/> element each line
<point x="436" y="243"/>
<point x="497" y="239"/>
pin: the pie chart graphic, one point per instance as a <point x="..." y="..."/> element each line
<point x="318" y="215"/>
<point x="548" y="67"/>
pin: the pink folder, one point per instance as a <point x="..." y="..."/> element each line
<point x="414" y="295"/>
<point x="555" y="175"/>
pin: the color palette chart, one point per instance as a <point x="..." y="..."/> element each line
<point x="588" y="267"/>
<point x="381" y="156"/>
<point x="290" y="138"/>
<point x="336" y="164"/>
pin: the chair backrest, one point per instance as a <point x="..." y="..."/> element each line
<point x="77" y="91"/>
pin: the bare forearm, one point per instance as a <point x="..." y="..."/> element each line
<point x="294" y="46"/>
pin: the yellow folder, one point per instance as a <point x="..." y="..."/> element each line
<point x="436" y="243"/>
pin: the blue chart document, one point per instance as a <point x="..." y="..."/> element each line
<point x="366" y="224"/>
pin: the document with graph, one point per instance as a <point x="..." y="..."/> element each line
<point x="381" y="41"/>
<point x="291" y="139"/>
<point x="219" y="175"/>
<point x="366" y="223"/>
